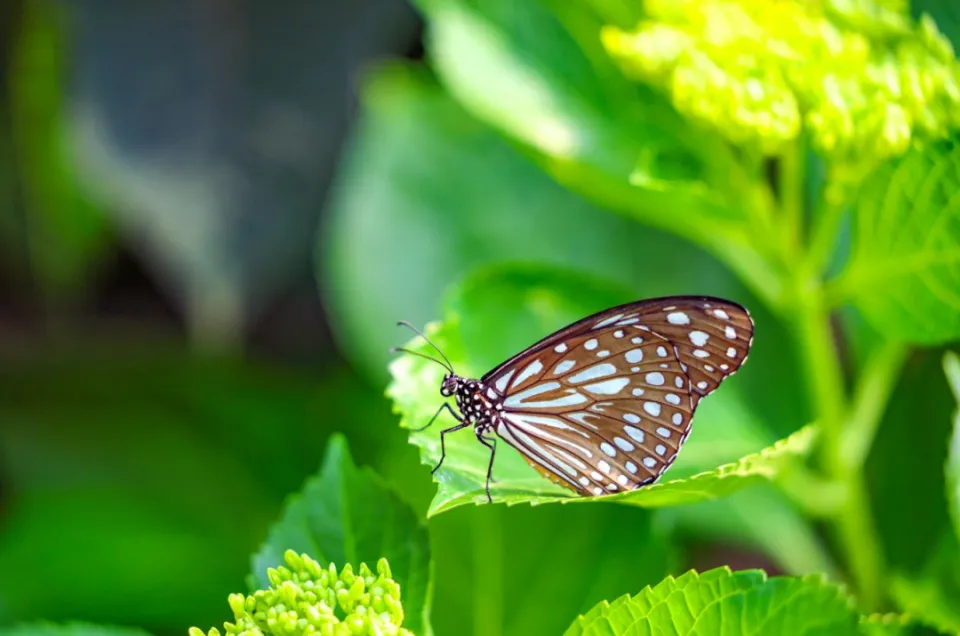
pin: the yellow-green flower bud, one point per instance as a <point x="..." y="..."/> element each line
<point x="859" y="77"/>
<point x="305" y="598"/>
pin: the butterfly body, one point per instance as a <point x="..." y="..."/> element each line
<point x="605" y="404"/>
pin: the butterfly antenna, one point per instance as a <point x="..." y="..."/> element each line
<point x="421" y="355"/>
<point x="404" y="323"/>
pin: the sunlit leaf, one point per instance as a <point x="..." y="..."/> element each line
<point x="721" y="601"/>
<point x="346" y="514"/>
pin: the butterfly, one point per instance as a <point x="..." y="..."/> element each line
<point x="605" y="404"/>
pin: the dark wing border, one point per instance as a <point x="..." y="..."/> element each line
<point x="636" y="305"/>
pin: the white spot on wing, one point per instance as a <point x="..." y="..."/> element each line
<point x="519" y="400"/>
<point x="700" y="353"/>
<point x="618" y="333"/>
<point x="636" y="340"/>
<point x="663" y="432"/>
<point x="590" y="344"/>
<point x="603" y="466"/>
<point x="655" y="378"/>
<point x="631" y="467"/>
<point x="635" y="433"/>
<point x="608" y="450"/>
<point x="699" y="338"/>
<point x="661" y="449"/>
<point x="678" y="419"/>
<point x="630" y="417"/>
<point x="662" y="352"/>
<point x="623" y="444"/>
<point x="634" y="356"/>
<point x="652" y="408"/>
<point x="502" y="382"/>
<point x="608" y="321"/>
<point x="730" y="332"/>
<point x="608" y="387"/>
<point x="560" y="348"/>
<point x="592" y="373"/>
<point x="672" y="399"/>
<point x="731" y="353"/>
<point x="622" y="480"/>
<point x="637" y="392"/>
<point x="532" y="369"/>
<point x="678" y="318"/>
<point x="719" y="313"/>
<point x="649" y="462"/>
<point x="563" y="367"/>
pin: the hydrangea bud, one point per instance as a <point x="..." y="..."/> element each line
<point x="306" y="598"/>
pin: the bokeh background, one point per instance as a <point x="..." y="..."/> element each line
<point x="212" y="213"/>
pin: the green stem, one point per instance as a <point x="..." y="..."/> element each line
<point x="853" y="524"/>
<point x="823" y="237"/>
<point x="792" y="163"/>
<point x="870" y="401"/>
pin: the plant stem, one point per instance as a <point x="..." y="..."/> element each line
<point x="791" y="168"/>
<point x="852" y="520"/>
<point x="870" y="400"/>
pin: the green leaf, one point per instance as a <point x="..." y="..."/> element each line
<point x="67" y="233"/>
<point x="906" y="253"/>
<point x="69" y="629"/>
<point x="346" y="514"/>
<point x="908" y="489"/>
<point x="888" y="625"/>
<point x="536" y="71"/>
<point x="404" y="226"/>
<point x="543" y="301"/>
<point x="721" y="601"/>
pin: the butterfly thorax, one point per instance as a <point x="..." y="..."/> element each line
<point x="475" y="406"/>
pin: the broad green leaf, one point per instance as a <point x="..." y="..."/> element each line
<point x="721" y="601"/>
<point x="66" y="232"/>
<point x="536" y="71"/>
<point x="543" y="301"/>
<point x="345" y="514"/>
<point x="405" y="226"/>
<point x="951" y="366"/>
<point x="906" y="255"/>
<point x="69" y="629"/>
<point x="905" y="468"/>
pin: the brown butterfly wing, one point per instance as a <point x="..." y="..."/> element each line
<point x="605" y="404"/>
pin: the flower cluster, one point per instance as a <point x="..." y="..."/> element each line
<point x="859" y="77"/>
<point x="306" y="598"/>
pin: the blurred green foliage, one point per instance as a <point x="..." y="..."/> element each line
<point x="546" y="160"/>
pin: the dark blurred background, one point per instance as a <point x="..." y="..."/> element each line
<point x="167" y="370"/>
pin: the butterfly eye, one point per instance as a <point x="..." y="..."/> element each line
<point x="449" y="386"/>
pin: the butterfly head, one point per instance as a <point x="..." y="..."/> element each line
<point x="451" y="384"/>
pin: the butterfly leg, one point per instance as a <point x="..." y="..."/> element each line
<point x="446" y="405"/>
<point x="490" y="443"/>
<point x="443" y="447"/>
